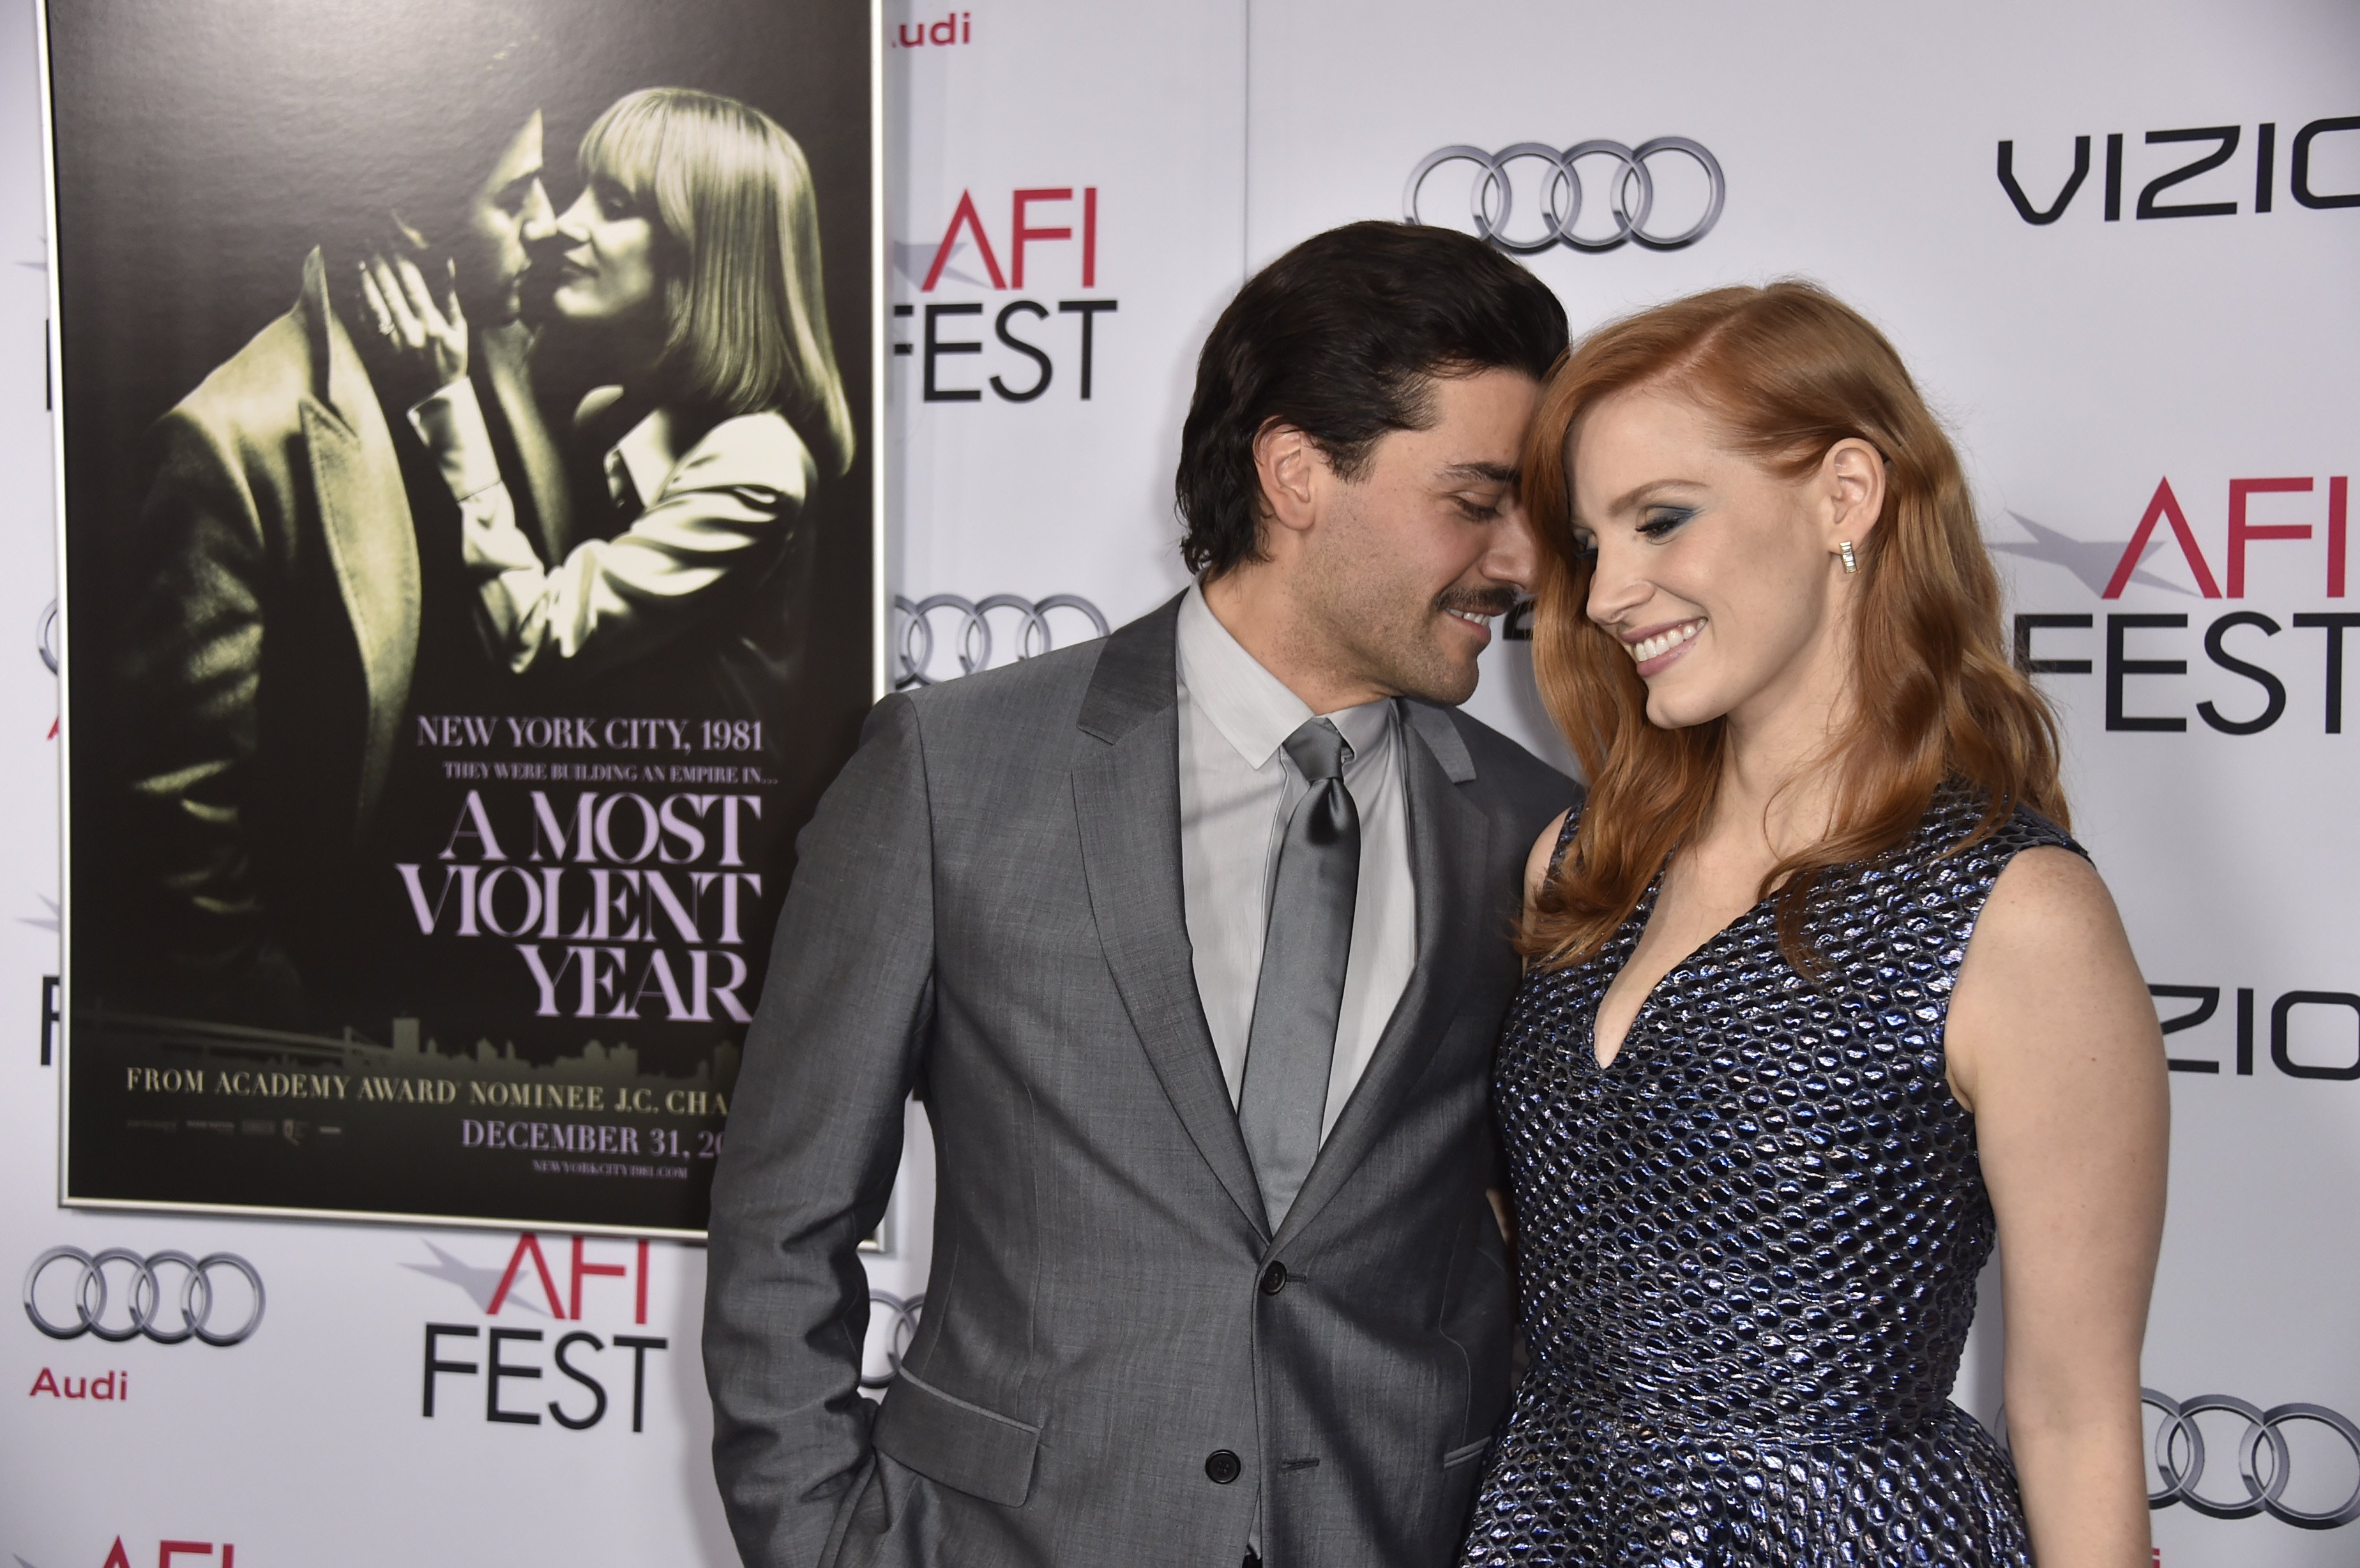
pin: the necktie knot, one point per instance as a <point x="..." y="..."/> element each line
<point x="1319" y="750"/>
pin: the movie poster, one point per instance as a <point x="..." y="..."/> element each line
<point x="469" y="524"/>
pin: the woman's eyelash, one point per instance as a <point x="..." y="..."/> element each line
<point x="1663" y="523"/>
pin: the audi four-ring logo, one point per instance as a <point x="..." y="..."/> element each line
<point x="2179" y="1457"/>
<point x="901" y="1319"/>
<point x="970" y="638"/>
<point x="144" y="1308"/>
<point x="1629" y="190"/>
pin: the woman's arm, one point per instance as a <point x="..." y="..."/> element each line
<point x="727" y="508"/>
<point x="610" y="601"/>
<point x="2053" y="1045"/>
<point x="451" y="423"/>
<point x="1536" y="863"/>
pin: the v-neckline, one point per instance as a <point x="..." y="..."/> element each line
<point x="1642" y="917"/>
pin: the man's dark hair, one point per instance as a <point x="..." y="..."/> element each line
<point x="1342" y="337"/>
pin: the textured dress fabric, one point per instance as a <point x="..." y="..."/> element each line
<point x="1749" y="1244"/>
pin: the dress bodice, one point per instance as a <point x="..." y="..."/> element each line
<point x="1748" y="1246"/>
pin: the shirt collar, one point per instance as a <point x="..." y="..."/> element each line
<point x="646" y="454"/>
<point x="1253" y="709"/>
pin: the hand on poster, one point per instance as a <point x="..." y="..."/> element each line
<point x="428" y="341"/>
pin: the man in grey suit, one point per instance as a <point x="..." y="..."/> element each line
<point x="1195" y="942"/>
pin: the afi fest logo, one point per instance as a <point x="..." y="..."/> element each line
<point x="2213" y="147"/>
<point x="513" y="1367"/>
<point x="2145" y="653"/>
<point x="1037" y="340"/>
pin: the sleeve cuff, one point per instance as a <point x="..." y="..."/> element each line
<point x="451" y="423"/>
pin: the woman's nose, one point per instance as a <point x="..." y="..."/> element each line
<point x="1615" y="589"/>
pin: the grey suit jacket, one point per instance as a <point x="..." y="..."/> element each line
<point x="987" y="909"/>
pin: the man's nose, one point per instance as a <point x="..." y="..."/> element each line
<point x="1515" y="555"/>
<point x="540" y="216"/>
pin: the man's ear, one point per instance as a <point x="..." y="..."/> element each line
<point x="1290" y="465"/>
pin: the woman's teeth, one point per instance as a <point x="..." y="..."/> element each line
<point x="1664" y="642"/>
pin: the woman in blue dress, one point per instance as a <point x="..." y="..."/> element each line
<point x="1820" y="996"/>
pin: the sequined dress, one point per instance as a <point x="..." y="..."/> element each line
<point x="1748" y="1246"/>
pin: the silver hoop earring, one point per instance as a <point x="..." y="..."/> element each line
<point x="1843" y="551"/>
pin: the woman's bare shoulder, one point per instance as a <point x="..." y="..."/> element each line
<point x="2048" y="900"/>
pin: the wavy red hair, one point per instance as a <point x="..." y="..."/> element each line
<point x="1787" y="372"/>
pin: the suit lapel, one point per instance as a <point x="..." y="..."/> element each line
<point x="365" y="514"/>
<point x="1448" y="845"/>
<point x="1127" y="797"/>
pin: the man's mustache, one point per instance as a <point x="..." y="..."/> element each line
<point x="1478" y="601"/>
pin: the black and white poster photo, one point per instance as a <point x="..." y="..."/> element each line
<point x="469" y="519"/>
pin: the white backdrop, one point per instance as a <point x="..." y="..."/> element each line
<point x="2082" y="363"/>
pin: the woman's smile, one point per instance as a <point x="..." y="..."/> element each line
<point x="1655" y="648"/>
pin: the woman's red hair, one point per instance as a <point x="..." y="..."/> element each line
<point x="1787" y="372"/>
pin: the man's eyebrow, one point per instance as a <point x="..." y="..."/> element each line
<point x="1490" y="473"/>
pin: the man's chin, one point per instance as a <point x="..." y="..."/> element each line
<point x="1446" y="682"/>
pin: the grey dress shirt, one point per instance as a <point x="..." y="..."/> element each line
<point x="1236" y="788"/>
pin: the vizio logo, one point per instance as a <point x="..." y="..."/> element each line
<point x="2309" y="152"/>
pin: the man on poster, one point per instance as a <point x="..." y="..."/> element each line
<point x="274" y="648"/>
<point x="1195" y="943"/>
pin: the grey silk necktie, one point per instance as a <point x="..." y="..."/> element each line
<point x="1291" y="1042"/>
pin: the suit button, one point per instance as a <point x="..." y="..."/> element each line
<point x="1221" y="1466"/>
<point x="1273" y="1279"/>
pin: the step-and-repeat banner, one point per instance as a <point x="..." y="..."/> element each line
<point x="2115" y="243"/>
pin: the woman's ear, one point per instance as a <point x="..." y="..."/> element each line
<point x="1852" y="478"/>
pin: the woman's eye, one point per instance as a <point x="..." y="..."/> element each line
<point x="1661" y="525"/>
<point x="1586" y="548"/>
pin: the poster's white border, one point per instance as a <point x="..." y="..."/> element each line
<point x="52" y="335"/>
<point x="54" y="347"/>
